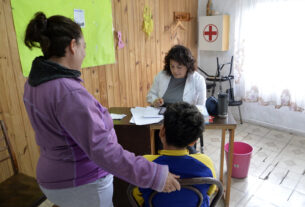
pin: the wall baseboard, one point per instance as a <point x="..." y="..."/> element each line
<point x="276" y="122"/>
<point x="272" y="126"/>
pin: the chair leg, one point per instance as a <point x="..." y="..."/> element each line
<point x="201" y="144"/>
<point x="241" y="120"/>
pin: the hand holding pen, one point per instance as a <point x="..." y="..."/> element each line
<point x="158" y="102"/>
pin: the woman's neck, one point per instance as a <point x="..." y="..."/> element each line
<point x="61" y="61"/>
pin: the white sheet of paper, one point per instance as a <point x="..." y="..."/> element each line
<point x="132" y="120"/>
<point x="139" y="119"/>
<point x="117" y="116"/>
<point x="79" y="17"/>
<point x="152" y="112"/>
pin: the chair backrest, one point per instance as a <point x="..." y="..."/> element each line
<point x="5" y="148"/>
<point x="221" y="66"/>
<point x="131" y="199"/>
<point x="16" y="189"/>
<point x="218" y="77"/>
<point x="187" y="183"/>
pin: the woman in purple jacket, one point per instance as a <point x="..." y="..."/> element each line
<point x="79" y="151"/>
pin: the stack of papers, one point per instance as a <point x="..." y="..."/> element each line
<point x="145" y="115"/>
<point x="150" y="115"/>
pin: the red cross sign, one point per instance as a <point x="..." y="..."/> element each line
<point x="210" y="33"/>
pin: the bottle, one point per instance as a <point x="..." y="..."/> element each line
<point x="222" y="108"/>
<point x="223" y="102"/>
<point x="209" y="8"/>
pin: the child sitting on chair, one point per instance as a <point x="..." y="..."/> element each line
<point x="182" y="126"/>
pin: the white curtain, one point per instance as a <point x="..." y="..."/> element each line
<point x="270" y="52"/>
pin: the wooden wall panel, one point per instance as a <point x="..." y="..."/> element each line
<point x="124" y="83"/>
<point x="11" y="92"/>
<point x="142" y="58"/>
<point x="6" y="169"/>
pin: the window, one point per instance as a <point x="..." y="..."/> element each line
<point x="270" y="51"/>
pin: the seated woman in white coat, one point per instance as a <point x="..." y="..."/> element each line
<point x="178" y="81"/>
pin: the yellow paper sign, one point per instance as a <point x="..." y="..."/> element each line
<point x="97" y="27"/>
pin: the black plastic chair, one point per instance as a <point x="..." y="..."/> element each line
<point x="211" y="83"/>
<point x="232" y="102"/>
<point x="211" y="79"/>
<point x="185" y="183"/>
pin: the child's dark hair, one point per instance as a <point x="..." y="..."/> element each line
<point x="51" y="34"/>
<point x="183" y="124"/>
<point x="182" y="55"/>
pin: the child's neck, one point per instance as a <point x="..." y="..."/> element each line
<point x="170" y="147"/>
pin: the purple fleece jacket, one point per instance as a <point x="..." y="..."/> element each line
<point x="77" y="140"/>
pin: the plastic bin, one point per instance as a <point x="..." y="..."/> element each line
<point x="241" y="159"/>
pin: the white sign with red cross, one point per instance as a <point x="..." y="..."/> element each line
<point x="210" y="33"/>
<point x="214" y="33"/>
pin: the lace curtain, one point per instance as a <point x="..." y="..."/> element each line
<point x="270" y="52"/>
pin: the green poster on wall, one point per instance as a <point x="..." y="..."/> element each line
<point x="96" y="18"/>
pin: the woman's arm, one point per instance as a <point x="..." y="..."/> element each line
<point x="153" y="91"/>
<point x="200" y="89"/>
<point x="91" y="127"/>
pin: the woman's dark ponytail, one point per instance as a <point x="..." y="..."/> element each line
<point x="51" y="34"/>
<point x="35" y="35"/>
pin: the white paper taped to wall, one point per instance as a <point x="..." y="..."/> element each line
<point x="79" y="17"/>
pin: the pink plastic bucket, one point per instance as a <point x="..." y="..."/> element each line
<point x="241" y="159"/>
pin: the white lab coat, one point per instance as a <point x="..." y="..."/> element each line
<point x="194" y="89"/>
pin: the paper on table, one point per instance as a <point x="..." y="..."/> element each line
<point x="145" y="121"/>
<point x="139" y="119"/>
<point x="152" y="112"/>
<point x="117" y="116"/>
<point x="132" y="120"/>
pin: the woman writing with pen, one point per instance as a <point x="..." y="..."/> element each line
<point x="178" y="81"/>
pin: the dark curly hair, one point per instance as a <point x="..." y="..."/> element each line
<point x="51" y="34"/>
<point x="182" y="55"/>
<point x="183" y="124"/>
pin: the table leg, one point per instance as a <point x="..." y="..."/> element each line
<point x="223" y="138"/>
<point x="152" y="142"/>
<point x="229" y="170"/>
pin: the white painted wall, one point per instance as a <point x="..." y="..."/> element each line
<point x="283" y="118"/>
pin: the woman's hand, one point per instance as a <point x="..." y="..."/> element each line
<point x="171" y="183"/>
<point x="158" y="102"/>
